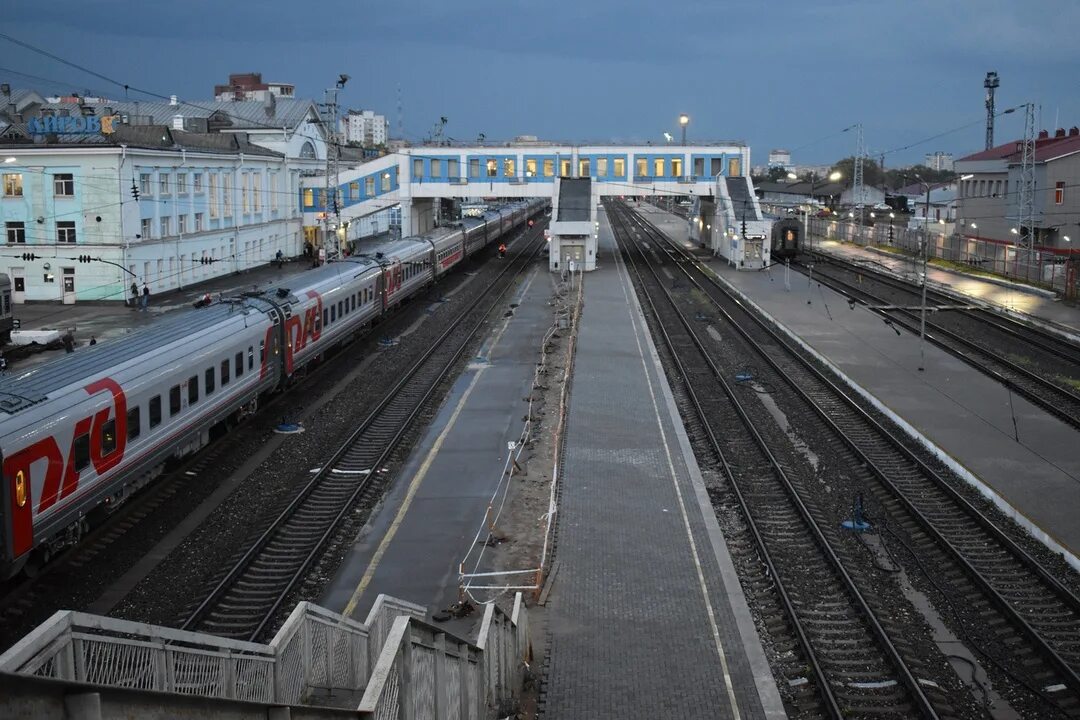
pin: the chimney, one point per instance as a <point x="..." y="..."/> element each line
<point x="177" y="122"/>
<point x="1074" y="131"/>
<point x="1059" y="133"/>
<point x="1044" y="134"/>
<point x="173" y="100"/>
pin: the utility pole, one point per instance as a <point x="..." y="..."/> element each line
<point x="858" y="188"/>
<point x="1026" y="191"/>
<point x="990" y="83"/>
<point x="922" y="306"/>
<point x="333" y="204"/>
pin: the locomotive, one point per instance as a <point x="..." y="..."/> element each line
<point x="786" y="237"/>
<point x="82" y="433"/>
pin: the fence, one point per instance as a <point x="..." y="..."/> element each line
<point x="395" y="658"/>
<point x="1038" y="267"/>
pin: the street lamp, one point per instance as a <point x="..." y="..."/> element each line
<point x="684" y="120"/>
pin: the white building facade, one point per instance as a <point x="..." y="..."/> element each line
<point x="939" y="160"/>
<point x="365" y="127"/>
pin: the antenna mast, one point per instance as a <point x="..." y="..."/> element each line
<point x="990" y="83"/>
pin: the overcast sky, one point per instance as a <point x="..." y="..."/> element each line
<point x="779" y="73"/>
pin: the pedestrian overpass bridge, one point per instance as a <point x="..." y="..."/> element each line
<point x="417" y="178"/>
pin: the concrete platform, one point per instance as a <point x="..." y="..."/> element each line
<point x="1033" y="472"/>
<point x="646" y="615"/>
<point x="412" y="545"/>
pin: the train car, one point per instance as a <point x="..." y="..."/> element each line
<point x="81" y="433"/>
<point x="448" y="247"/>
<point x="786" y="238"/>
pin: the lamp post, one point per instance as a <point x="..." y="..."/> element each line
<point x="925" y="251"/>
<point x="684" y="120"/>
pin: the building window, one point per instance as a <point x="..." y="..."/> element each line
<point x="509" y="167"/>
<point x="16" y="232"/>
<point x="164" y="180"/>
<point x="436" y="168"/>
<point x="273" y="190"/>
<point x="309" y="198"/>
<point x="243" y="193"/>
<point x="369" y="186"/>
<point x="474" y="167"/>
<point x="620" y="167"/>
<point x="256" y="192"/>
<point x="198" y="222"/>
<point x="417" y="168"/>
<point x="227" y="187"/>
<point x="196" y="182"/>
<point x="181" y="183"/>
<point x="1059" y="194"/>
<point x="64" y="185"/>
<point x="146" y="184"/>
<point x="583" y="167"/>
<point x="65" y="231"/>
<point x="530" y="167"/>
<point x="549" y="168"/>
<point x="354" y="191"/>
<point x="658" y="167"/>
<point x="165" y="226"/>
<point x="453" y="168"/>
<point x="386" y="182"/>
<point x="12" y="184"/>
<point x="181" y="224"/>
<point x="492" y="167"/>
<point x="642" y="167"/>
<point x="146" y="230"/>
<point x="601" y="167"/>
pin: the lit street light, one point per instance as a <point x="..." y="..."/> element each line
<point x="684" y="120"/>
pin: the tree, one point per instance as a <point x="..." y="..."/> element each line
<point x="871" y="171"/>
<point x="776" y="174"/>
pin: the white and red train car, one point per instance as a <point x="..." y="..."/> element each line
<point x="80" y="434"/>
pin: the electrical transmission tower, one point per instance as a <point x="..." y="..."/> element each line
<point x="1026" y="191"/>
<point x="333" y="146"/>
<point x="857" y="186"/>
<point x="990" y="83"/>
<point x="400" y="115"/>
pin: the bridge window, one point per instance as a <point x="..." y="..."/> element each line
<point x="530" y="167"/>
<point x="155" y="410"/>
<point x="601" y="167"/>
<point x="564" y="168"/>
<point x="699" y="167"/>
<point x="386" y="181"/>
<point x="549" y="168"/>
<point x="717" y="166"/>
<point x="620" y="167"/>
<point x="583" y="167"/>
<point x="492" y="167"/>
<point x="642" y="167"/>
<point x="436" y="168"/>
<point x="354" y="190"/>
<point x="369" y="186"/>
<point x="474" y="168"/>
<point x="734" y="167"/>
<point x="309" y="198"/>
<point x="134" y="426"/>
<point x="417" y="168"/>
<point x="676" y="167"/>
<point x="509" y="167"/>
<point x="658" y="167"/>
<point x="453" y="168"/>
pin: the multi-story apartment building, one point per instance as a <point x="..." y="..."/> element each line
<point x="243" y="87"/>
<point x="365" y="127"/>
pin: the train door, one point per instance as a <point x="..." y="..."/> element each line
<point x="69" y="285"/>
<point x="18" y="285"/>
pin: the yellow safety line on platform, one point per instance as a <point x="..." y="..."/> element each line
<point x="623" y="280"/>
<point x="429" y="460"/>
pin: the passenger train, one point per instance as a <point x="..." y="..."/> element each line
<point x="786" y="236"/>
<point x="80" y="434"/>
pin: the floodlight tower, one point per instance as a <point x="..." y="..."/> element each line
<point x="990" y="83"/>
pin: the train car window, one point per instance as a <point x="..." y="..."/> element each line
<point x="224" y="373"/>
<point x="209" y="381"/>
<point x="133" y="422"/>
<point x="174" y="400"/>
<point x="108" y="437"/>
<point x="155" y="410"/>
<point x="262" y="351"/>
<point x="340" y="312"/>
<point x="251" y="357"/>
<point x="81" y="451"/>
<point x="354" y="301"/>
<point x="193" y="389"/>
<point x="333" y="313"/>
<point x="238" y="364"/>
<point x="326" y="316"/>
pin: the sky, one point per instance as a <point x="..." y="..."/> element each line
<point x="772" y="74"/>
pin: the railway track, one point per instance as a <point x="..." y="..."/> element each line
<point x="1037" y="365"/>
<point x="246" y="600"/>
<point x="1022" y="623"/>
<point x="853" y="666"/>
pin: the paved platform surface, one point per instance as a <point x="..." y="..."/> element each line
<point x="646" y="616"/>
<point x="965" y="413"/>
<point x="412" y="545"/>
